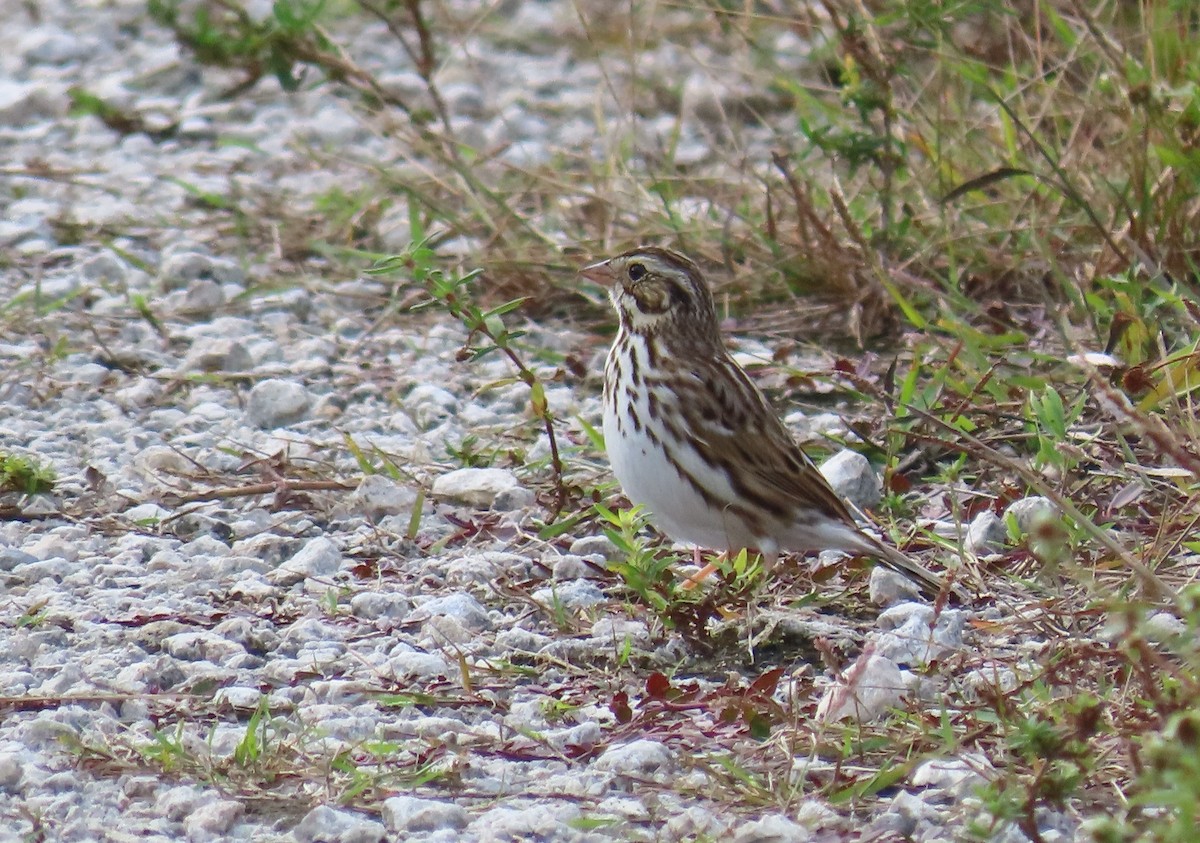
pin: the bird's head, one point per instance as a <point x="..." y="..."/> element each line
<point x="657" y="291"/>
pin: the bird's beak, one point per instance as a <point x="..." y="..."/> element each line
<point x="601" y="273"/>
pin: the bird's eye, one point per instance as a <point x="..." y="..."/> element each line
<point x="636" y="272"/>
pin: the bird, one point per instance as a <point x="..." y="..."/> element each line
<point x="692" y="438"/>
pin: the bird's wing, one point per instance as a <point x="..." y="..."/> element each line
<point x="745" y="437"/>
<point x="731" y="422"/>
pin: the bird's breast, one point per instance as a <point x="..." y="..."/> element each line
<point x="658" y="461"/>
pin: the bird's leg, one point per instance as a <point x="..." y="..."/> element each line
<point x="694" y="580"/>
<point x="769" y="557"/>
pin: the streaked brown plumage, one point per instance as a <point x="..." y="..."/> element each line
<point x="692" y="438"/>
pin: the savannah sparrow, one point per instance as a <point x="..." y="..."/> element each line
<point x="693" y="439"/>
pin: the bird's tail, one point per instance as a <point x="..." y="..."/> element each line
<point x="932" y="584"/>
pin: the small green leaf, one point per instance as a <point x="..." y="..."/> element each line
<point x="595" y="437"/>
<point x="1051" y="414"/>
<point x="537" y="399"/>
<point x="494" y="327"/>
<point x="507" y="307"/>
<point x="590" y="823"/>
<point x="553" y="531"/>
<point x="414" y="519"/>
<point x="882" y="780"/>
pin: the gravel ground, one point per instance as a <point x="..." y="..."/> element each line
<point x="314" y="663"/>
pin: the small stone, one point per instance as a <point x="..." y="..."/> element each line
<point x="696" y="822"/>
<point x="92" y="374"/>
<point x="517" y="497"/>
<point x="52" y="546"/>
<point x="1163" y="628"/>
<point x="636" y="757"/>
<point x="595" y="546"/>
<point x="990" y="682"/>
<point x="10" y="558"/>
<point x="146" y="514"/>
<point x="271" y="549"/>
<point x="105" y="269"/>
<point x="410" y="813"/>
<point x="203" y="297"/>
<point x="375" y="605"/>
<point x="912" y="807"/>
<point x="986" y="534"/>
<point x="484" y="568"/>
<point x="815" y="814"/>
<point x="378" y="496"/>
<point x="179" y="802"/>
<point x="908" y="639"/>
<point x="461" y="607"/>
<point x="430" y="405"/>
<point x="53" y="46"/>
<point x="852" y="477"/>
<point x="239" y="698"/>
<point x="482" y="488"/>
<point x="571" y="594"/>
<point x="162" y="459"/>
<point x="41" y="505"/>
<point x="201" y="646"/>
<point x="195" y="525"/>
<point x="393" y="229"/>
<point x="581" y="736"/>
<point x="772" y="828"/>
<point x="22" y="103"/>
<point x="572" y="567"/>
<point x="276" y="403"/>
<point x="416" y="665"/>
<point x="331" y="825"/>
<point x="957" y="777"/>
<point x="213" y="819"/>
<point x="196" y="127"/>
<point x="867" y="690"/>
<point x="218" y="355"/>
<point x="12" y="768"/>
<point x="334" y="127"/>
<point x="1029" y="513"/>
<point x="309" y="634"/>
<point x="180" y="269"/>
<point x="618" y="631"/>
<point x="320" y="557"/>
<point x="55" y="568"/>
<point x="533" y="823"/>
<point x="27" y="220"/>
<point x="887" y="587"/>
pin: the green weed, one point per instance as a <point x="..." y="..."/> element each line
<point x="24" y="474"/>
